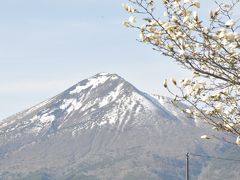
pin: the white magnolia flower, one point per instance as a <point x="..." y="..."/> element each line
<point x="230" y="36"/>
<point x="176" y="4"/>
<point x="165" y="13"/>
<point x="189" y="90"/>
<point x="125" y="6"/>
<point x="186" y="81"/>
<point x="185" y="19"/>
<point x="214" y="128"/>
<point x="179" y="34"/>
<point x="174" y="19"/>
<point x="165" y="25"/>
<point x="128" y="8"/>
<point x="191" y="26"/>
<point x="204" y="137"/>
<point x="213" y="14"/>
<point x="224" y="42"/>
<point x="132" y="19"/>
<point x="221" y="34"/>
<point x="219" y="106"/>
<point x="214" y="46"/>
<point x="230" y="23"/>
<point x="232" y="46"/>
<point x="238" y="140"/>
<point x="170" y="28"/>
<point x="187" y="1"/>
<point x="237" y="36"/>
<point x="229" y="125"/>
<point x="125" y="23"/>
<point x="181" y="52"/>
<point x="197" y="4"/>
<point x="229" y="111"/>
<point x="143" y="27"/>
<point x="206" y="30"/>
<point x="188" y="111"/>
<point x="209" y="111"/>
<point x="197" y="86"/>
<point x="205" y="98"/>
<point x="142" y="36"/>
<point x="169" y="46"/>
<point x="222" y="30"/>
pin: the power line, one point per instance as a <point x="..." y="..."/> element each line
<point x="214" y="157"/>
<point x="204" y="156"/>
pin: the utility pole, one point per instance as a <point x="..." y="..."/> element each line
<point x="187" y="166"/>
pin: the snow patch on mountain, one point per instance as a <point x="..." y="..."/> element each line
<point x="40" y="122"/>
<point x="112" y="96"/>
<point x="70" y="105"/>
<point x="46" y="118"/>
<point x="92" y="82"/>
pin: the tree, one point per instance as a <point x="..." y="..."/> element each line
<point x="210" y="48"/>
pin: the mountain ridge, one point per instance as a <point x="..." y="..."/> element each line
<point x="96" y="127"/>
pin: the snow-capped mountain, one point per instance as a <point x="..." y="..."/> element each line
<point x="101" y="128"/>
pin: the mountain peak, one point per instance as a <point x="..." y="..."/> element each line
<point x="105" y="74"/>
<point x="94" y="82"/>
<point x="108" y="93"/>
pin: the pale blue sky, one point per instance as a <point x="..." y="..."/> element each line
<point x="49" y="45"/>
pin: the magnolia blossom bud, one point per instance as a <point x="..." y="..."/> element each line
<point x="175" y="98"/>
<point x="173" y="81"/>
<point x="204" y="137"/>
<point x="165" y="83"/>
<point x="230" y="23"/>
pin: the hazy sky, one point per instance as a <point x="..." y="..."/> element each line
<point x="47" y="46"/>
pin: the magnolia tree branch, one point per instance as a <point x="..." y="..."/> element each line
<point x="210" y="48"/>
